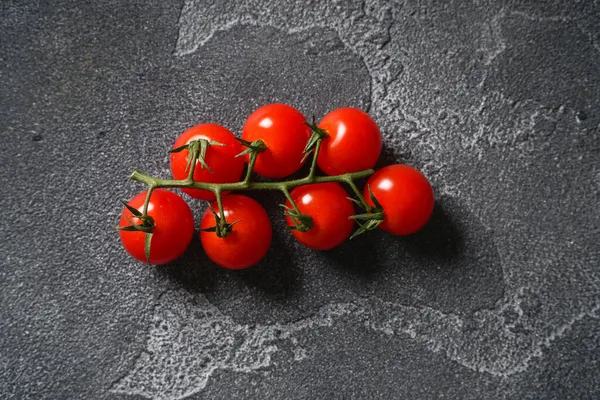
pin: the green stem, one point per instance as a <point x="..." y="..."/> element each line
<point x="313" y="166"/>
<point x="147" y="199"/>
<point x="251" y="163"/>
<point x="287" y="195"/>
<point x="220" y="205"/>
<point x="139" y="176"/>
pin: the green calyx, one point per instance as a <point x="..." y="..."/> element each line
<point x="197" y="153"/>
<point x="372" y="218"/>
<point x="300" y="222"/>
<point x="222" y="228"/>
<point x="146" y="226"/>
<point x="316" y="137"/>
<point x="254" y="147"/>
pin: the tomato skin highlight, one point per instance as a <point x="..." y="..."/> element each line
<point x="173" y="227"/>
<point x="354" y="142"/>
<point x="282" y="128"/>
<point x="249" y="239"/>
<point x="226" y="168"/>
<point x="405" y="195"/>
<point x="329" y="207"/>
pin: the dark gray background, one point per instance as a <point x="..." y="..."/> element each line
<point x="498" y="297"/>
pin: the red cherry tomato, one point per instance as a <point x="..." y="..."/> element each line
<point x="405" y="196"/>
<point x="353" y="144"/>
<point x="173" y="227"/>
<point x="329" y="207"/>
<point x="283" y="131"/>
<point x="249" y="239"/>
<point x="226" y="168"/>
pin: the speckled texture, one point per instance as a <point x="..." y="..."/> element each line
<point x="498" y="297"/>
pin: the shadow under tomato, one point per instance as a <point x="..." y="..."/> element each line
<point x="452" y="264"/>
<point x="275" y="275"/>
<point x="439" y="242"/>
<point x="357" y="256"/>
<point x="440" y="239"/>
<point x="193" y="271"/>
<point x="388" y="157"/>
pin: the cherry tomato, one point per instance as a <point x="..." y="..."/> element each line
<point x="282" y="129"/>
<point x="405" y="196"/>
<point x="224" y="166"/>
<point x="173" y="227"/>
<point x="353" y="144"/>
<point x="329" y="207"/>
<point x="249" y="239"/>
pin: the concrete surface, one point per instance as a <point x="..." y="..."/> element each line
<point x="497" y="102"/>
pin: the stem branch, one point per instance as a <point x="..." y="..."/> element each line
<point x="251" y="163"/>
<point x="287" y="195"/>
<point x="220" y="205"/>
<point x="313" y="165"/>
<point x="358" y="194"/>
<point x="147" y="199"/>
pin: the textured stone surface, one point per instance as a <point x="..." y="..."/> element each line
<point x="497" y="102"/>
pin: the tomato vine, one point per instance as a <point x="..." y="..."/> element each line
<point x="397" y="198"/>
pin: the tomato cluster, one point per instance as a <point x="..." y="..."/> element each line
<point x="235" y="230"/>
